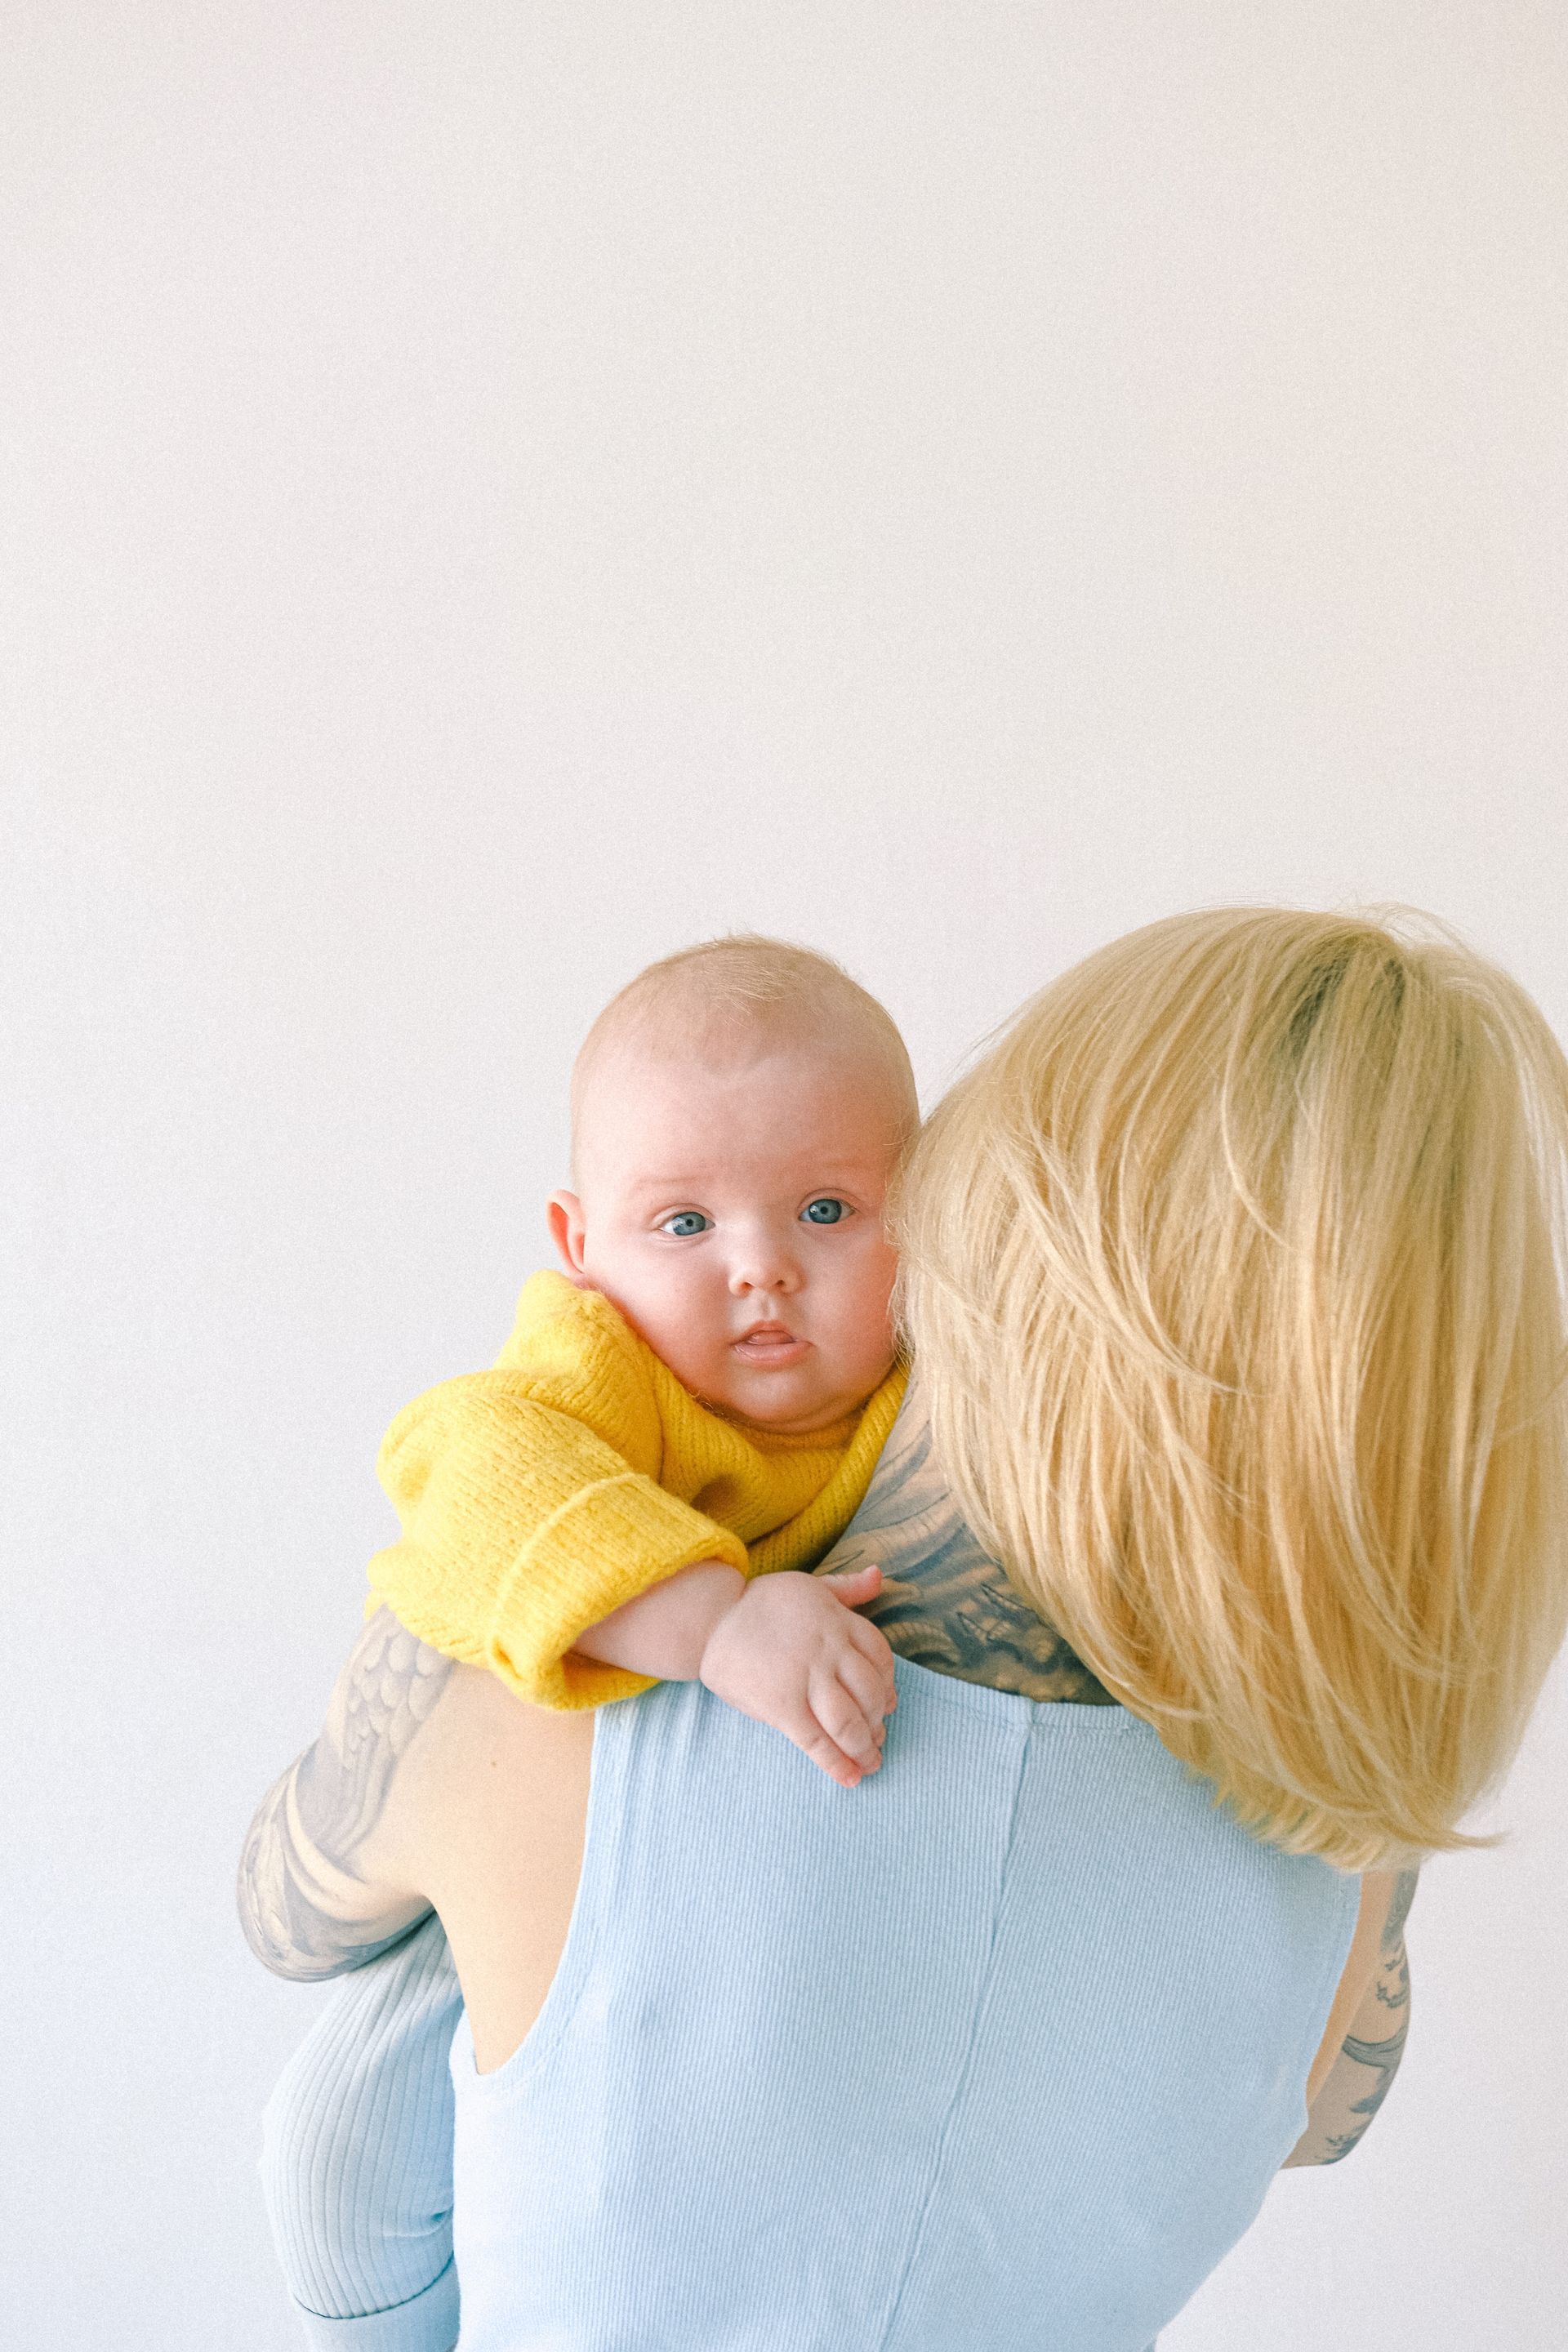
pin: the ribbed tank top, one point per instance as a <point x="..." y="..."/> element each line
<point x="999" y="2050"/>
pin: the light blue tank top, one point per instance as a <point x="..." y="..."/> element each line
<point x="999" y="2050"/>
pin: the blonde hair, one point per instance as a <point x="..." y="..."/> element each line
<point x="1234" y="1273"/>
<point x="722" y="993"/>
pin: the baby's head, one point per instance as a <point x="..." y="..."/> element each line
<point x="737" y="1112"/>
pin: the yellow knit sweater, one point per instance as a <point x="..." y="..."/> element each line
<point x="577" y="1472"/>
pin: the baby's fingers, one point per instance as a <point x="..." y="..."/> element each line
<point x="869" y="1687"/>
<point x="825" y="1753"/>
<point x="871" y="1644"/>
<point x="854" y="1586"/>
<point x="846" y="1722"/>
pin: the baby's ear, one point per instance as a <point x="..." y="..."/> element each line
<point x="568" y="1231"/>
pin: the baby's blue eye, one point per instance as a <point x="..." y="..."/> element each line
<point x="686" y="1221"/>
<point x="825" y="1211"/>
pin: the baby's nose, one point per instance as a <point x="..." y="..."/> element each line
<point x="765" y="1270"/>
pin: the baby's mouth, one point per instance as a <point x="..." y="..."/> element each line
<point x="771" y="1344"/>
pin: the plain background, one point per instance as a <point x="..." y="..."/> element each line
<point x="494" y="492"/>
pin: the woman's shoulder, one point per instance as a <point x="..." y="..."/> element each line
<point x="945" y="1602"/>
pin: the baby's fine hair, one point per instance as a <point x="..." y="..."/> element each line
<point x="1235" y="1276"/>
<point x="724" y="994"/>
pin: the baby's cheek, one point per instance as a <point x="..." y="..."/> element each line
<point x="666" y="1306"/>
<point x="684" y="1327"/>
<point x="868" y="1318"/>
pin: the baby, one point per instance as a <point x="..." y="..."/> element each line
<point x="700" y="1400"/>
<point x="681" y="1425"/>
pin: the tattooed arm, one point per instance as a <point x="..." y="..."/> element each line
<point x="312" y="1899"/>
<point x="1358" y="2081"/>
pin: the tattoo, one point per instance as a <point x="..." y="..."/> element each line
<point x="298" y="1880"/>
<point x="1383" y="2058"/>
<point x="1346" y="2104"/>
<point x="1398" y="1912"/>
<point x="945" y="1604"/>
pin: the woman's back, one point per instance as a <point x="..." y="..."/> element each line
<point x="1015" y="2071"/>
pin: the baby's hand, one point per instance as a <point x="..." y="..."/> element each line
<point x="791" y="1652"/>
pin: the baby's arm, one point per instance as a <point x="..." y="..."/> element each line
<point x="786" y="1649"/>
<point x="530" y="1512"/>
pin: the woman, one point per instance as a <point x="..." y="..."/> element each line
<point x="1233" y="1275"/>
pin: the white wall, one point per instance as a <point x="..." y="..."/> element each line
<point x="492" y="492"/>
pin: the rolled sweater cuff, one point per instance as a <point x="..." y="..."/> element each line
<point x="604" y="1546"/>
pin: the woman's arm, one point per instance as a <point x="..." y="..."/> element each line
<point x="430" y="1787"/>
<point x="321" y="1888"/>
<point x="1350" y="2092"/>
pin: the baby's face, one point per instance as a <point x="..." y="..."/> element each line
<point x="734" y="1215"/>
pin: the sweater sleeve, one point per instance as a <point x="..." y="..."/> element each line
<point x="523" y="1524"/>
